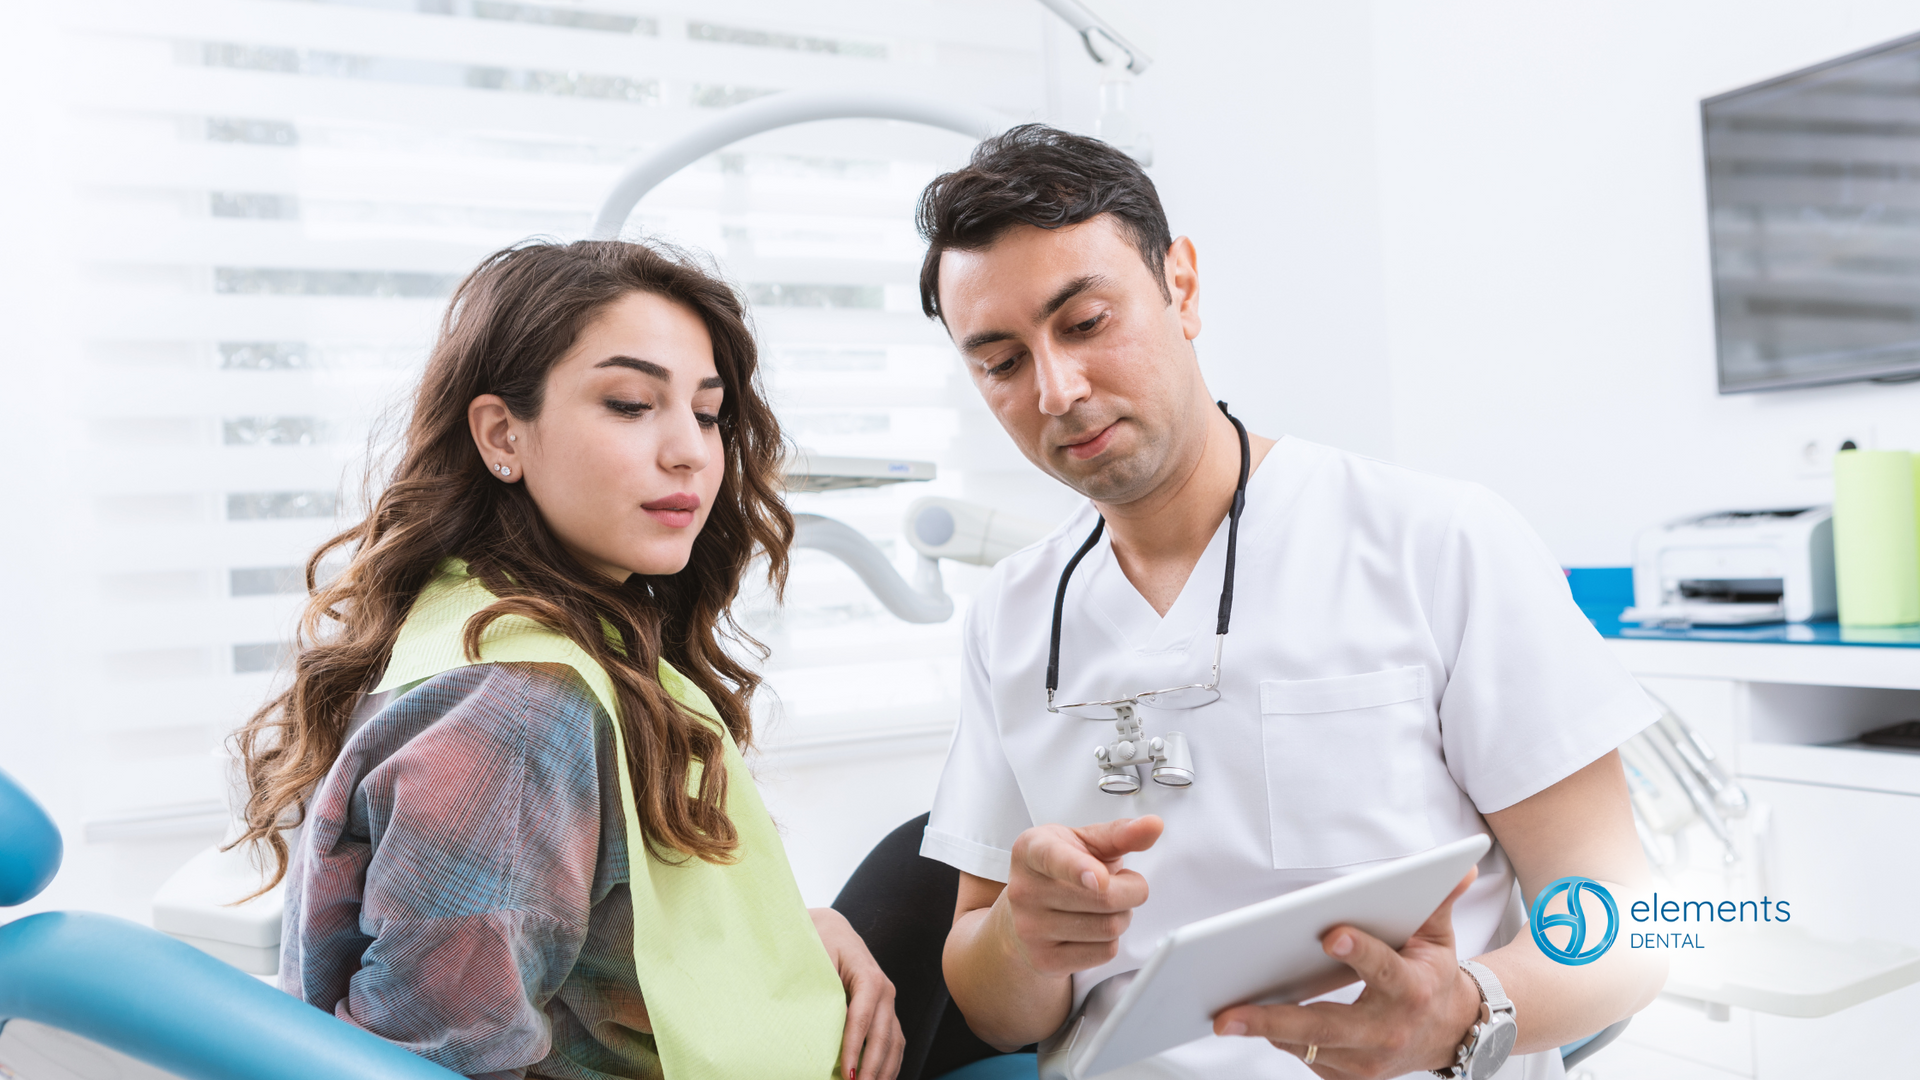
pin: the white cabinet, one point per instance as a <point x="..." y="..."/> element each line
<point x="1843" y="846"/>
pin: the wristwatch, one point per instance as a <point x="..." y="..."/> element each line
<point x="1490" y="1040"/>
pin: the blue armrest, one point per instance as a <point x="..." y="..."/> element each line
<point x="29" y="845"/>
<point x="144" y="994"/>
<point x="1580" y="1050"/>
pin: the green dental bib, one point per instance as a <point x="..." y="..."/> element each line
<point x="736" y="981"/>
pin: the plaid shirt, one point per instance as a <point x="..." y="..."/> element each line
<point x="460" y="886"/>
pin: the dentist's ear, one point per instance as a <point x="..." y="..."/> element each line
<point x="1183" y="284"/>
<point x="496" y="434"/>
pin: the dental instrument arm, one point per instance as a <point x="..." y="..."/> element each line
<point x="937" y="528"/>
<point x="924" y="601"/>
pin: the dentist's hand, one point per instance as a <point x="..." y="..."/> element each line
<point x="1068" y="896"/>
<point x="1415" y="1010"/>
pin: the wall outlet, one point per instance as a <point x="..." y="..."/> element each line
<point x="1813" y="454"/>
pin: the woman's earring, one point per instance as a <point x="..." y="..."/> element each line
<point x="513" y="438"/>
<point x="505" y="471"/>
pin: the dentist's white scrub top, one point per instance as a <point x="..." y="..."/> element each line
<point x="1404" y="657"/>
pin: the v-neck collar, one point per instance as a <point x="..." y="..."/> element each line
<point x="1132" y="619"/>
<point x="1122" y="612"/>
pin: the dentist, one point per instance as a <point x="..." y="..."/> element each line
<point x="1403" y="667"/>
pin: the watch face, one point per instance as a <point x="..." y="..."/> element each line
<point x="1493" y="1047"/>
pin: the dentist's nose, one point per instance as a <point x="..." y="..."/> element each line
<point x="1061" y="382"/>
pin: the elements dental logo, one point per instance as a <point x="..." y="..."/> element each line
<point x="1574" y="950"/>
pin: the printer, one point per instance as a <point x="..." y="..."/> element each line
<point x="1735" y="567"/>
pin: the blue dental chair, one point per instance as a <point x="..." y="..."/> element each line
<point x="134" y="989"/>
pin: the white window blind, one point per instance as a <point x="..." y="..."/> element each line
<point x="267" y="204"/>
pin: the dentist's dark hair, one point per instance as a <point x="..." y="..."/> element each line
<point x="508" y="324"/>
<point x="1041" y="176"/>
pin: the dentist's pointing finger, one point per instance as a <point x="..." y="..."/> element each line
<point x="1090" y="855"/>
<point x="1068" y="898"/>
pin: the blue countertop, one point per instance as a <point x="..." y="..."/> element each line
<point x="1604" y="592"/>
<point x="1811" y="633"/>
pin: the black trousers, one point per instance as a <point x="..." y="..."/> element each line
<point x="902" y="905"/>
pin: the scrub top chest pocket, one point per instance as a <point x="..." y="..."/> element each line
<point x="1347" y="765"/>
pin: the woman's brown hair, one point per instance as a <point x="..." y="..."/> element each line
<point x="509" y="322"/>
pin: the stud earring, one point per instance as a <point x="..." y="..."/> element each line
<point x="505" y="471"/>
<point x="513" y="438"/>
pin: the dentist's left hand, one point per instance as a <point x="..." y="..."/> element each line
<point x="1415" y="1010"/>
<point x="871" y="1022"/>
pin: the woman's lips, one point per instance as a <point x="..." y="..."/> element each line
<point x="675" y="511"/>
<point x="1081" y="451"/>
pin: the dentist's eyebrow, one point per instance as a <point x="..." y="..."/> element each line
<point x="1054" y="303"/>
<point x="1067" y="292"/>
<point x="985" y="338"/>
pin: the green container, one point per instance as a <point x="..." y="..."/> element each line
<point x="1876" y="537"/>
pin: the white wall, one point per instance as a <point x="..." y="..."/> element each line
<point x="1471" y="237"/>
<point x="1544" y="226"/>
<point x="1262" y="121"/>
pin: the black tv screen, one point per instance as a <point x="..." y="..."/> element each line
<point x="1813" y="194"/>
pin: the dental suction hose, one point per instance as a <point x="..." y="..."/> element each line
<point x="924" y="601"/>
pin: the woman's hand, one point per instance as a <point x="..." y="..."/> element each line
<point x="870" y="1018"/>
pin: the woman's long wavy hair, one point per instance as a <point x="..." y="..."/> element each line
<point x="509" y="322"/>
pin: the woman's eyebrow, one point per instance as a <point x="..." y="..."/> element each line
<point x="644" y="367"/>
<point x="648" y="367"/>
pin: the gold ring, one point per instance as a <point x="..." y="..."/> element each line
<point x="1312" y="1049"/>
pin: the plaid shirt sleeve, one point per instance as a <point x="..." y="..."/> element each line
<point x="449" y="872"/>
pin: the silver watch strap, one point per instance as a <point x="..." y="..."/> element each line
<point x="1490" y="989"/>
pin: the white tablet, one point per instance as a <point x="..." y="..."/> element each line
<point x="1267" y="952"/>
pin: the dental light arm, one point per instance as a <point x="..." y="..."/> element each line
<point x="772" y="112"/>
<point x="1105" y="44"/>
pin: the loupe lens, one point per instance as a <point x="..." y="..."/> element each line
<point x="1172" y="777"/>
<point x="1175" y="767"/>
<point x="1120" y="782"/>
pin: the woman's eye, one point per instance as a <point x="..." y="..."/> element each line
<point x="628" y="408"/>
<point x="707" y="419"/>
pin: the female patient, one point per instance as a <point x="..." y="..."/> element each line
<point x="529" y="847"/>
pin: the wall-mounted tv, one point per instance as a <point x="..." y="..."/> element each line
<point x="1813" y="194"/>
